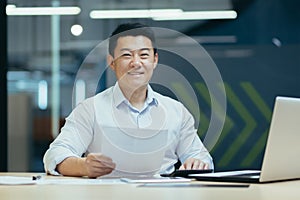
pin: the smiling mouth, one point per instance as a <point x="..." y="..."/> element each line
<point x="135" y="73"/>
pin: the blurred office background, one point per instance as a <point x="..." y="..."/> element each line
<point x="256" y="52"/>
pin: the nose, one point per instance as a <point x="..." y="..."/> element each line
<point x="136" y="61"/>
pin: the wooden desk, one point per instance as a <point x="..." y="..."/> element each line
<point x="282" y="190"/>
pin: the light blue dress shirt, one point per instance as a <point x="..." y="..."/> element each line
<point x="143" y="141"/>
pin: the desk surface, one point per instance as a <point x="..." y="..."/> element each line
<point x="271" y="191"/>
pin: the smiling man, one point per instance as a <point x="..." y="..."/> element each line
<point x="139" y="115"/>
<point x="133" y="60"/>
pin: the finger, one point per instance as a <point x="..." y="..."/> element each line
<point x="108" y="164"/>
<point x="96" y="171"/>
<point x="182" y="167"/>
<point x="101" y="157"/>
<point x="90" y="163"/>
<point x="188" y="165"/>
<point x="102" y="170"/>
<point x="201" y="165"/>
<point x="197" y="164"/>
<point x="206" y="166"/>
<point x="104" y="160"/>
<point x="101" y="164"/>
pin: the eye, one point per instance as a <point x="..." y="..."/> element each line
<point x="144" y="55"/>
<point x="126" y="55"/>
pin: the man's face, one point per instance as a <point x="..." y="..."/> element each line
<point x="134" y="61"/>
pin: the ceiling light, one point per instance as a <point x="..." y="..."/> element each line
<point x="163" y="14"/>
<point x="201" y="15"/>
<point x="13" y="10"/>
<point x="146" y="13"/>
<point x="76" y="29"/>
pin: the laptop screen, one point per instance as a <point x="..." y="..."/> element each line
<point x="281" y="159"/>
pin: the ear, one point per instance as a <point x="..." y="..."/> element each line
<point x="110" y="62"/>
<point x="155" y="60"/>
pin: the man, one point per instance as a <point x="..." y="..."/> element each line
<point x="130" y="104"/>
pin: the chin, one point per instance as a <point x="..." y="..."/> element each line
<point x="138" y="85"/>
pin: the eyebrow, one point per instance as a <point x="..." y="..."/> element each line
<point x="142" y="49"/>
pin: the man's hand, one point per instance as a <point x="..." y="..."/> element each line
<point x="94" y="165"/>
<point x="97" y="164"/>
<point x="192" y="163"/>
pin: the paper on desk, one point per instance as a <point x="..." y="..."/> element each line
<point x="78" y="181"/>
<point x="227" y="173"/>
<point x="156" y="180"/>
<point x="16" y="180"/>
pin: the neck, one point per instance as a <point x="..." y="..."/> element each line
<point x="136" y="97"/>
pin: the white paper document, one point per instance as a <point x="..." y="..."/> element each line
<point x="16" y="180"/>
<point x="227" y="173"/>
<point x="156" y="180"/>
<point x="79" y="181"/>
<point x="135" y="151"/>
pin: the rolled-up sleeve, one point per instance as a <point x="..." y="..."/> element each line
<point x="190" y="145"/>
<point x="73" y="140"/>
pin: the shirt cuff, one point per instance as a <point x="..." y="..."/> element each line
<point x="51" y="162"/>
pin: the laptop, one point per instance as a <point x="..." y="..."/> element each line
<point x="282" y="153"/>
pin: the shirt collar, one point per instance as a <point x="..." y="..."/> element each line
<point x="151" y="99"/>
<point x="119" y="98"/>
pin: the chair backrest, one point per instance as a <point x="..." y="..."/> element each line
<point x="163" y="90"/>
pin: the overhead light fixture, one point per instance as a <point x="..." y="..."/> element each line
<point x="201" y="15"/>
<point x="76" y="29"/>
<point x="12" y="10"/>
<point x="145" y="13"/>
<point x="163" y="14"/>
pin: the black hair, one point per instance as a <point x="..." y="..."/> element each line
<point x="130" y="29"/>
